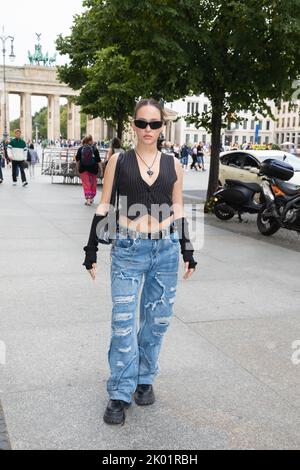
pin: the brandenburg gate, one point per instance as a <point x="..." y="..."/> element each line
<point x="37" y="80"/>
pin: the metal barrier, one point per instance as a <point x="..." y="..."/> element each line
<point x="61" y="162"/>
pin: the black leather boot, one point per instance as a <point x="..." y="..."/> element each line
<point x="144" y="395"/>
<point x="115" y="412"/>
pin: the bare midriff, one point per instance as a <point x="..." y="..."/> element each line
<point x="145" y="224"/>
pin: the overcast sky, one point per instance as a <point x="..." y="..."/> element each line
<point x="23" y="18"/>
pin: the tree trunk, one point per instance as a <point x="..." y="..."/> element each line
<point x="120" y="128"/>
<point x="217" y="112"/>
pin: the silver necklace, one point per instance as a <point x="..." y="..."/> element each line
<point x="149" y="172"/>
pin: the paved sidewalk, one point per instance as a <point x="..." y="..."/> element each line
<point x="4" y="440"/>
<point x="227" y="379"/>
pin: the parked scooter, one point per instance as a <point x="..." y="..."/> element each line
<point x="282" y="199"/>
<point x="237" y="197"/>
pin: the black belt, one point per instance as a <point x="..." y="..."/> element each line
<point x="146" y="235"/>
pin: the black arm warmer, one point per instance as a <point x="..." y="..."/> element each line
<point x="92" y="245"/>
<point x="187" y="249"/>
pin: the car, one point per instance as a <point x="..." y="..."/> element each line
<point x="243" y="165"/>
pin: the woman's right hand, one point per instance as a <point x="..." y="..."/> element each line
<point x="93" y="271"/>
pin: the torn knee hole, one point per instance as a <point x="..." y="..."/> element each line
<point x="123" y="316"/>
<point x="122" y="331"/>
<point x="124" y="299"/>
<point x="125" y="350"/>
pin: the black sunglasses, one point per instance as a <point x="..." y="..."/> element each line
<point x="141" y="124"/>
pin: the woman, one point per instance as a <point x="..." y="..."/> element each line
<point x="200" y="156"/>
<point x="145" y="249"/>
<point x="194" y="157"/>
<point x="88" y="164"/>
<point x="32" y="159"/>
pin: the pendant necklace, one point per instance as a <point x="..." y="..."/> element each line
<point x="149" y="172"/>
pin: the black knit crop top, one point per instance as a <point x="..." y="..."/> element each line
<point x="136" y="197"/>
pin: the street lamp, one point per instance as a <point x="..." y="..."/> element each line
<point x="12" y="57"/>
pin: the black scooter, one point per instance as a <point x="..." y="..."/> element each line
<point x="237" y="197"/>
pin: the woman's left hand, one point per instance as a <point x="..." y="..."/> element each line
<point x="188" y="272"/>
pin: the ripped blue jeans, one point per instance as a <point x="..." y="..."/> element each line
<point x="150" y="265"/>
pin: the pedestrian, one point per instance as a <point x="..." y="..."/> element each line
<point x="185" y="152"/>
<point x="144" y="254"/>
<point x="200" y="156"/>
<point x="167" y="149"/>
<point x="17" y="153"/>
<point x="88" y="164"/>
<point x="32" y="159"/>
<point x="194" y="157"/>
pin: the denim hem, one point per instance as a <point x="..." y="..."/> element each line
<point x="118" y="395"/>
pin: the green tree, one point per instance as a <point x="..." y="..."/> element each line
<point x="41" y="118"/>
<point x="120" y="51"/>
<point x="15" y="124"/>
<point x="241" y="54"/>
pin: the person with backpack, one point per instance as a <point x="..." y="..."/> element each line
<point x="88" y="164"/>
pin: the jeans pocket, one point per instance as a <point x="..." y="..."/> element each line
<point x="124" y="243"/>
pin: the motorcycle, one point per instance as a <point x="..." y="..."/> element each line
<point x="237" y="197"/>
<point x="282" y="199"/>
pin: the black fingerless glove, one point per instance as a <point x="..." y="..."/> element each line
<point x="187" y="250"/>
<point x="92" y="246"/>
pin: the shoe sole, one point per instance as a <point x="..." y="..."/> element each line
<point x="111" y="418"/>
<point x="144" y="402"/>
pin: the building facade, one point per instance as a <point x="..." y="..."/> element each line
<point x="285" y="127"/>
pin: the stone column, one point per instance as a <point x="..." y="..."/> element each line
<point x="77" y="122"/>
<point x="90" y="125"/>
<point x="168" y="131"/>
<point x="101" y="129"/>
<point x="26" y="116"/>
<point x="105" y="131"/>
<point x="53" y="117"/>
<point x="172" y="136"/>
<point x="69" y="121"/>
<point x="3" y="113"/>
<point x="74" y="125"/>
<point x="7" y="114"/>
<point x="97" y="129"/>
